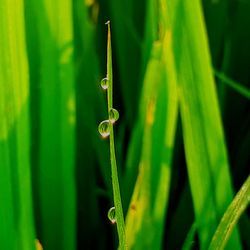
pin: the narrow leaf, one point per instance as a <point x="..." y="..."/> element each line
<point x="231" y="217"/>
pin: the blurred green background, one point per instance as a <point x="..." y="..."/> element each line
<point x="181" y="85"/>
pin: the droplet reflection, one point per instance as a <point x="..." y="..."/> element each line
<point x="113" y="115"/>
<point x="111" y="215"/>
<point x="105" y="83"/>
<point x="104" y="128"/>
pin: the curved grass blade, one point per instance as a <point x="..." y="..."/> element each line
<point x="231" y="216"/>
<point x="187" y="245"/>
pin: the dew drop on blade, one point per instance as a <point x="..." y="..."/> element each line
<point x="104" y="128"/>
<point x="111" y="215"/>
<point x="105" y="83"/>
<point x="113" y="115"/>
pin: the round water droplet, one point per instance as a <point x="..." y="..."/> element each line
<point x="104" y="128"/>
<point x="105" y="83"/>
<point x="111" y="215"/>
<point x="113" y="115"/>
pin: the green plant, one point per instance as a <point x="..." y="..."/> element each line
<point x="181" y="73"/>
<point x="115" y="213"/>
<point x="231" y="216"/>
<point x="236" y="86"/>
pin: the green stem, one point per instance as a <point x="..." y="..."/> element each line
<point x="114" y="174"/>
<point x="234" y="85"/>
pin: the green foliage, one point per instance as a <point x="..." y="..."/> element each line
<point x="107" y="83"/>
<point x="242" y="90"/>
<point x="231" y="216"/>
<point x="204" y="144"/>
<point x="53" y="106"/>
<point x="182" y="142"/>
<point x="16" y="214"/>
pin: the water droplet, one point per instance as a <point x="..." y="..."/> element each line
<point x="104" y="128"/>
<point x="113" y="115"/>
<point x="111" y="215"/>
<point x="105" y="83"/>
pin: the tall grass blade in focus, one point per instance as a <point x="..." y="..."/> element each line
<point x="115" y="213"/>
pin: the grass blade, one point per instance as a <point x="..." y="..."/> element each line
<point x="236" y="86"/>
<point x="16" y="215"/>
<point x="190" y="238"/>
<point x="139" y="217"/>
<point x="204" y="143"/>
<point x="145" y="218"/>
<point x="231" y="216"/>
<point x="54" y="136"/>
<point x="119" y="218"/>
